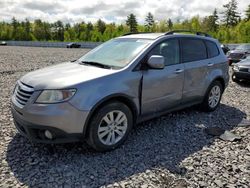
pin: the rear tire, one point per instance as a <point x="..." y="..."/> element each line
<point x="109" y="126"/>
<point x="212" y="97"/>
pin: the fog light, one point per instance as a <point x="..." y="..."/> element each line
<point x="48" y="134"/>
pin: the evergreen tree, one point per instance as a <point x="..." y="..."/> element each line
<point x="231" y="16"/>
<point x="215" y="19"/>
<point x="149" y="22"/>
<point x="14" y="24"/>
<point x="210" y="23"/>
<point x="27" y="29"/>
<point x="101" y="26"/>
<point x="248" y="13"/>
<point x="170" y="24"/>
<point x="58" y="31"/>
<point x="132" y="23"/>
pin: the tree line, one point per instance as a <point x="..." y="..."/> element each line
<point x="227" y="26"/>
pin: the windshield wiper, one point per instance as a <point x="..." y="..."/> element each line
<point x="97" y="64"/>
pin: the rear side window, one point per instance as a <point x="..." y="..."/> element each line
<point x="212" y="49"/>
<point x="193" y="50"/>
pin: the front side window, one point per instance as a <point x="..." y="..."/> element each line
<point x="193" y="50"/>
<point x="116" y="53"/>
<point x="169" y="49"/>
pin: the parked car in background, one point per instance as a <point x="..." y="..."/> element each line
<point x="73" y="45"/>
<point x="241" y="70"/>
<point x="124" y="81"/>
<point x="239" y="53"/>
<point x="225" y="48"/>
<point x="3" y="43"/>
<point x="232" y="46"/>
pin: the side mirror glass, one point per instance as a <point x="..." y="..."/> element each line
<point x="156" y="62"/>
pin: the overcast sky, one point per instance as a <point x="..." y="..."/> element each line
<point x="109" y="10"/>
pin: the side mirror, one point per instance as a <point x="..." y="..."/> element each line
<point x="156" y="62"/>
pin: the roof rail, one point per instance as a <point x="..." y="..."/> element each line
<point x="133" y="33"/>
<point x="188" y="31"/>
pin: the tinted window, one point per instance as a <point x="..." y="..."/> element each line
<point x="193" y="50"/>
<point x="212" y="49"/>
<point x="169" y="49"/>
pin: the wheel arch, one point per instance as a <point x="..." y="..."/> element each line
<point x="115" y="97"/>
<point x="221" y="80"/>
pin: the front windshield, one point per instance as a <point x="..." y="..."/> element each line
<point x="243" y="47"/>
<point x="117" y="52"/>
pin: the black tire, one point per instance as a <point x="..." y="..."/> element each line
<point x="93" y="139"/>
<point x="205" y="104"/>
<point x="234" y="78"/>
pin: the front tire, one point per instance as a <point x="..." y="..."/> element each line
<point x="213" y="97"/>
<point x="109" y="126"/>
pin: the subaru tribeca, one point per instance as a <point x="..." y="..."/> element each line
<point x="129" y="79"/>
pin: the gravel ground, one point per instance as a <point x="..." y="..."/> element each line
<point x="171" y="151"/>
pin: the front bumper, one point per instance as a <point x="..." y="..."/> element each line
<point x="64" y="121"/>
<point x="242" y="75"/>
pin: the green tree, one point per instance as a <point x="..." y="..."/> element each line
<point x="215" y="20"/>
<point x="248" y="13"/>
<point x="149" y="22"/>
<point x="27" y="28"/>
<point x="170" y="24"/>
<point x="131" y="22"/>
<point x="230" y="15"/>
<point x="58" y="31"/>
<point x="14" y="24"/>
<point x="89" y="30"/>
<point x="210" y="23"/>
<point x="162" y="26"/>
<point x="101" y="25"/>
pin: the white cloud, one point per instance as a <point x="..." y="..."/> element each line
<point x="109" y="10"/>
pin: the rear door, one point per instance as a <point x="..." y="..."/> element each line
<point x="194" y="59"/>
<point x="162" y="89"/>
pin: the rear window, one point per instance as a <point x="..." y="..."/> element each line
<point x="212" y="49"/>
<point x="193" y="50"/>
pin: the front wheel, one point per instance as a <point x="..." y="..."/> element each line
<point x="213" y="97"/>
<point x="109" y="127"/>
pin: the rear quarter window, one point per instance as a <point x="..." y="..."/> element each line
<point x="193" y="50"/>
<point x="212" y="49"/>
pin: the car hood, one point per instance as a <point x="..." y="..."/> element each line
<point x="245" y="63"/>
<point x="238" y="51"/>
<point x="63" y="75"/>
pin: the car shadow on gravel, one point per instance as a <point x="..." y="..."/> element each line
<point x="159" y="143"/>
<point x="244" y="83"/>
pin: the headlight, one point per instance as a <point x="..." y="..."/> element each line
<point x="55" y="96"/>
<point x="236" y="68"/>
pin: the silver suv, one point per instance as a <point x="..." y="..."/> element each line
<point x="126" y="80"/>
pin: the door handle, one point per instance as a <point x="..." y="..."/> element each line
<point x="210" y="64"/>
<point x="178" y="71"/>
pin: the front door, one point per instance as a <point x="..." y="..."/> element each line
<point x="162" y="89"/>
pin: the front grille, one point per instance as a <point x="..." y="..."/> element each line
<point x="23" y="92"/>
<point x="236" y="55"/>
<point x="244" y="69"/>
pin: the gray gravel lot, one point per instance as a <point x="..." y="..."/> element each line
<point x="170" y="151"/>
